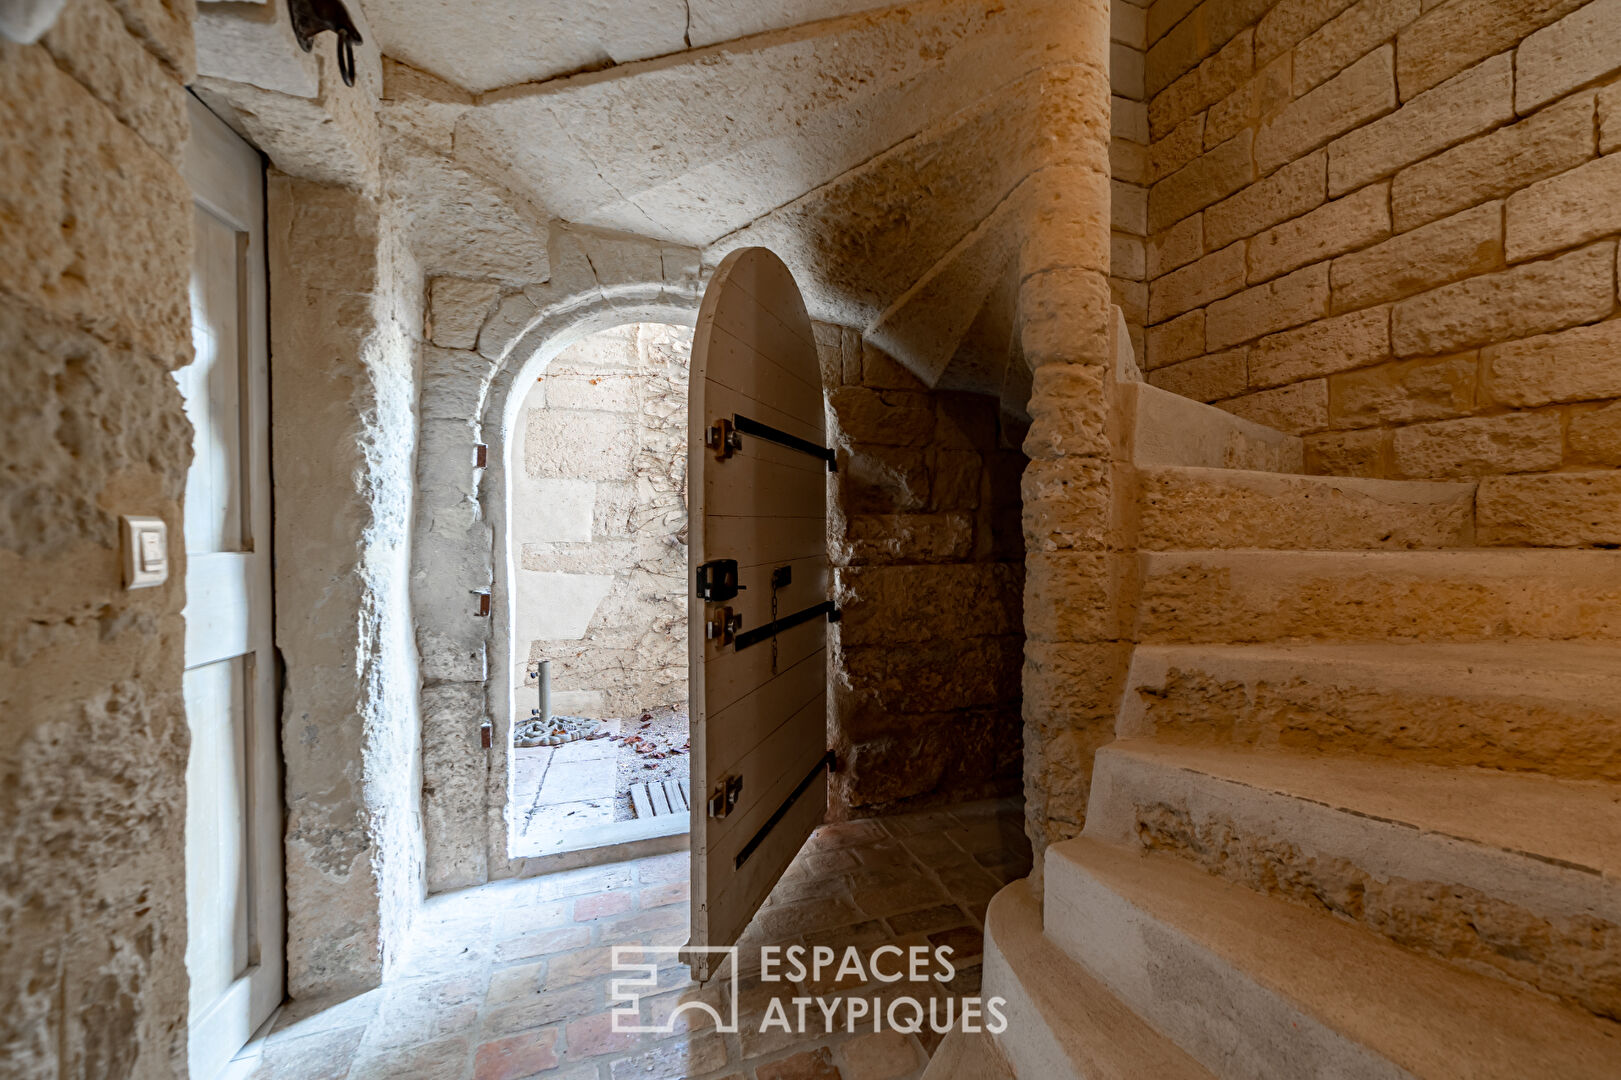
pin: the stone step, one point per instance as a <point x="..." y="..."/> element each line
<point x="1257" y="988"/>
<point x="962" y="1055"/>
<point x="1512" y="874"/>
<point x="1062" y="1024"/>
<point x="1475" y="595"/>
<point x="1532" y="706"/>
<point x="1189" y="507"/>
<point x="1162" y="428"/>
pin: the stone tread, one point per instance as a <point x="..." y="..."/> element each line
<point x="1169" y="429"/>
<point x="1194" y="507"/>
<point x="1062" y="1023"/>
<point x="1549" y="707"/>
<point x="1574" y="824"/>
<point x="1365" y="1006"/>
<point x="1468" y="595"/>
<point x="1577" y="672"/>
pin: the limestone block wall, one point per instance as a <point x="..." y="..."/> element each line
<point x="346" y="303"/>
<point x="95" y="244"/>
<point x="599" y="523"/>
<point x="926" y="549"/>
<point x="1128" y="162"/>
<point x="488" y="340"/>
<point x="1390" y="226"/>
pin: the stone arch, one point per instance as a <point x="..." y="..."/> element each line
<point x="472" y="396"/>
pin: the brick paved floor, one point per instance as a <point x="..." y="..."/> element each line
<point x="510" y="980"/>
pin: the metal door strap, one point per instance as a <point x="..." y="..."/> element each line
<point x="787" y="622"/>
<point x="748" y="426"/>
<point x="823" y="764"/>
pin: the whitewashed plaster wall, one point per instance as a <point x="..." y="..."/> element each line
<point x="599" y="522"/>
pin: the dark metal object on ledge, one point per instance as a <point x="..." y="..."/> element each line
<point x="310" y="17"/>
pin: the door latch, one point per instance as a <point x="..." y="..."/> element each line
<point x="723" y="626"/>
<point x="724" y="799"/>
<point x="717" y="581"/>
<point x="724" y="439"/>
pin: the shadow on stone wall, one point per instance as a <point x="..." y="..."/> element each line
<point x="928" y="552"/>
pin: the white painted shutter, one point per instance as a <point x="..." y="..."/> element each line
<point x="234" y="896"/>
<point x="759" y="698"/>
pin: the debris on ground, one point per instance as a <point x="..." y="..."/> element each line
<point x="657" y="749"/>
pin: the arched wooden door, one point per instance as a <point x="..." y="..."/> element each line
<point x="760" y="608"/>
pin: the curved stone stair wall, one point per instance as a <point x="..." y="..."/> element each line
<point x="1361" y="816"/>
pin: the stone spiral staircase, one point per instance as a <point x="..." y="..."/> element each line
<point x="1362" y="817"/>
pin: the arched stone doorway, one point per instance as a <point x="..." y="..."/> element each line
<point x="474" y="384"/>
<point x="598" y="539"/>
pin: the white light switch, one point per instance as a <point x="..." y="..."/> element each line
<point x="146" y="551"/>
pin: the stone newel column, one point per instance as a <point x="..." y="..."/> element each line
<point x="1072" y="656"/>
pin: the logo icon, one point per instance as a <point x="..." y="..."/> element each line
<point x="645" y="961"/>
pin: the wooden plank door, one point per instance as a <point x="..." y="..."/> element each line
<point x="758" y="674"/>
<point x="234" y="921"/>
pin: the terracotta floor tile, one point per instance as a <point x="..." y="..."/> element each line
<point x="808" y="1065"/>
<point x="625" y="928"/>
<point x="884" y="1055"/>
<point x="595" y="1037"/>
<point x="501" y="981"/>
<point x="516" y="983"/>
<point x="675" y="1010"/>
<point x="868" y="932"/>
<point x="965" y="943"/>
<point x="537" y="916"/>
<point x="544" y="1007"/>
<point x="516" y="1056"/>
<point x="446" y="1059"/>
<point x="568" y="968"/>
<point x="542" y="943"/>
<point x="941" y="917"/>
<point x="845" y="834"/>
<point x="784" y="920"/>
<point x="828" y="862"/>
<point x="677" y="892"/>
<point x="663" y="869"/>
<point x="600" y="905"/>
<point x="676" y="1059"/>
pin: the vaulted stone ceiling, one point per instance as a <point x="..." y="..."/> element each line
<point x="874" y="147"/>
<point x="496" y="43"/>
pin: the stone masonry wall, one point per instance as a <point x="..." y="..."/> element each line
<point x="1128" y="162"/>
<point x="1073" y="658"/>
<point x="95" y="247"/>
<point x="1390" y="226"/>
<point x="487" y="339"/>
<point x="346" y="302"/>
<point x="599" y="523"/>
<point x="925" y="544"/>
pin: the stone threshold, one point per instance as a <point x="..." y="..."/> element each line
<point x="597" y="845"/>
